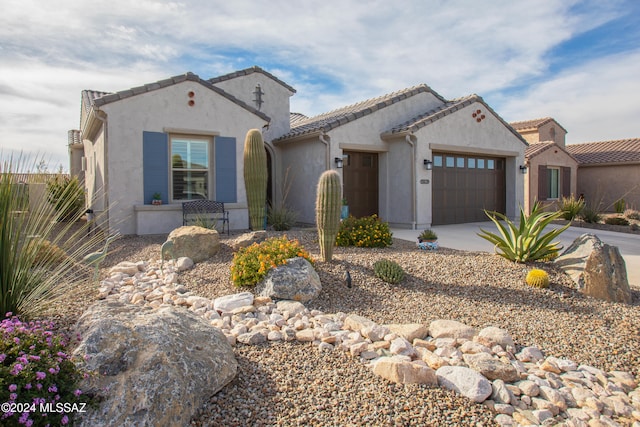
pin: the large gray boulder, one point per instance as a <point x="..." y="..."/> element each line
<point x="197" y="243"/>
<point x="296" y="280"/>
<point x="152" y="367"/>
<point x="597" y="268"/>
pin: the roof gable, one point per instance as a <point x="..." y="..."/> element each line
<point x="534" y="124"/>
<point x="449" y="108"/>
<point x="99" y="99"/>
<point x="246" y="72"/>
<point x="616" y="151"/>
<point x="332" y="119"/>
<point x="538" y="148"/>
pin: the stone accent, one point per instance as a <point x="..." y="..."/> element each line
<point x="465" y="381"/>
<point x="451" y="329"/>
<point x="158" y="366"/>
<point x="248" y="239"/>
<point x="197" y="243"/>
<point x="404" y="372"/>
<point x="597" y="268"/>
<point x="296" y="280"/>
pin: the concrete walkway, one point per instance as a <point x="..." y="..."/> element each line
<point x="465" y="237"/>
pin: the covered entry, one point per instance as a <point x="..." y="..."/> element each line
<point x="466" y="184"/>
<point x="360" y="176"/>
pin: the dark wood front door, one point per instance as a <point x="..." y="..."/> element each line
<point x="360" y="175"/>
<point x="464" y="185"/>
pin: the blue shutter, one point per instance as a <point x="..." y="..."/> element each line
<point x="226" y="174"/>
<point x="155" y="165"/>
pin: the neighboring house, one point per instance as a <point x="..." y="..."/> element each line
<point x="608" y="171"/>
<point x="551" y="170"/>
<point x="411" y="156"/>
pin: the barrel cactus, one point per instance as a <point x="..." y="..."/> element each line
<point x="538" y="278"/>
<point x="389" y="271"/>
<point x="328" y="209"/>
<point x="255" y="178"/>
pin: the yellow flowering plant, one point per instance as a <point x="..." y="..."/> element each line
<point x="366" y="232"/>
<point x="251" y="264"/>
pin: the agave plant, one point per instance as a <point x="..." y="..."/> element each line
<point x="39" y="257"/>
<point x="527" y="241"/>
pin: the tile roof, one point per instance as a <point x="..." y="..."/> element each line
<point x="246" y="72"/>
<point x="449" y="107"/>
<point x="603" y="152"/>
<point x="296" y="117"/>
<point x="331" y="120"/>
<point x="99" y="99"/>
<point x="533" y="124"/>
<point x="536" y="148"/>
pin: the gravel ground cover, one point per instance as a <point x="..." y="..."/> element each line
<point x="295" y="384"/>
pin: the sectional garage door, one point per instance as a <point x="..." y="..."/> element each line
<point x="464" y="185"/>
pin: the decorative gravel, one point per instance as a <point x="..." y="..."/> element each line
<point x="295" y="384"/>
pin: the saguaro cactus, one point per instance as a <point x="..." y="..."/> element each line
<point x="328" y="207"/>
<point x="255" y="178"/>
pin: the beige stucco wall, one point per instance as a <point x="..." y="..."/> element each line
<point x="531" y="136"/>
<point x="552" y="132"/>
<point x="552" y="157"/>
<point x="160" y="111"/>
<point x="610" y="183"/>
<point x="460" y="132"/>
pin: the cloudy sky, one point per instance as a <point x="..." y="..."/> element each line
<point x="577" y="61"/>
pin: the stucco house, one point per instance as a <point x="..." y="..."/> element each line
<point x="552" y="172"/>
<point x="412" y="157"/>
<point x="608" y="171"/>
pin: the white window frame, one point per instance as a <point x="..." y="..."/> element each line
<point x="210" y="184"/>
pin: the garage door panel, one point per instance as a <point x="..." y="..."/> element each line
<point x="464" y="186"/>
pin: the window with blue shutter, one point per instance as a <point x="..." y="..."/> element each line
<point x="225" y="169"/>
<point x="155" y="165"/>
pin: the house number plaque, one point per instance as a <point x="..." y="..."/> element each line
<point x="424" y="181"/>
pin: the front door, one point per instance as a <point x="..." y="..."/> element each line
<point x="360" y="175"/>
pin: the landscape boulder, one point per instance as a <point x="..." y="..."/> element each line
<point x="597" y="268"/>
<point x="197" y="243"/>
<point x="464" y="381"/>
<point x="296" y="280"/>
<point x="404" y="372"/>
<point x="150" y="366"/>
<point x="248" y="239"/>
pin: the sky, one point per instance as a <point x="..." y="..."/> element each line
<point x="575" y="61"/>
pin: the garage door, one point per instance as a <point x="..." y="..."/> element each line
<point x="360" y="176"/>
<point x="464" y="185"/>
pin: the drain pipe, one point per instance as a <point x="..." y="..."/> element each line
<point x="326" y="140"/>
<point x="411" y="140"/>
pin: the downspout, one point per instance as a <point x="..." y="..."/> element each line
<point x="326" y="140"/>
<point x="411" y="140"/>
<point x="102" y="116"/>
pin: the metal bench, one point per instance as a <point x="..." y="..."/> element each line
<point x="206" y="213"/>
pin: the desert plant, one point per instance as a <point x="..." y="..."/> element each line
<point x="389" y="271"/>
<point x="619" y="206"/>
<point x="570" y="207"/>
<point x="590" y="214"/>
<point x="251" y="264"/>
<point x="616" y="220"/>
<point x="537" y="278"/>
<point x="29" y="280"/>
<point x="632" y="214"/>
<point x="527" y="241"/>
<point x="67" y="197"/>
<point x="328" y="208"/>
<point x="366" y="232"/>
<point x="282" y="218"/>
<point x="205" y="221"/>
<point x="427" y="235"/>
<point x="255" y="178"/>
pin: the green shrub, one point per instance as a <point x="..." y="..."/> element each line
<point x="570" y="207"/>
<point x="591" y="215"/>
<point x="616" y="220"/>
<point x="427" y="234"/>
<point x="251" y="264"/>
<point x="632" y="214"/>
<point x="389" y="271"/>
<point x="39" y="259"/>
<point x="67" y="197"/>
<point x="366" y="232"/>
<point x="36" y="368"/>
<point x="527" y="242"/>
<point x="619" y="206"/>
<point x="282" y="218"/>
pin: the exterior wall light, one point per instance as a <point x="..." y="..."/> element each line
<point x="428" y="164"/>
<point x="339" y="162"/>
<point x="523" y="169"/>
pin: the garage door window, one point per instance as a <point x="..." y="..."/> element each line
<point x="471" y="163"/>
<point x="437" y="161"/>
<point x="480" y="163"/>
<point x="450" y="162"/>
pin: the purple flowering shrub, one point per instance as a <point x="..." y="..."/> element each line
<point x="38" y="379"/>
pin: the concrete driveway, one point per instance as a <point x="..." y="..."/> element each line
<point x="465" y="237"/>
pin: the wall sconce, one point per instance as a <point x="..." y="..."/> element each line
<point x="428" y="164"/>
<point x="339" y="162"/>
<point x="523" y="169"/>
